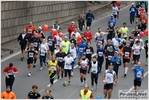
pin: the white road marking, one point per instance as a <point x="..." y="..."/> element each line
<point x="74" y="68"/>
<point x="15" y="54"/>
<point x="133" y="86"/>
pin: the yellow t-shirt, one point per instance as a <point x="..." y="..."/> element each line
<point x="52" y="67"/>
<point x="124" y="31"/>
<point x="65" y="46"/>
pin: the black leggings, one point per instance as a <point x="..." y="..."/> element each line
<point x="89" y="63"/>
<point x="107" y="63"/>
<point x="100" y="62"/>
<point x="52" y="77"/>
<point x="94" y="78"/>
<point x="10" y="81"/>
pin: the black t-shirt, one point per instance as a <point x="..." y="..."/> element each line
<point x="50" y="41"/>
<point x="60" y="56"/>
<point x="88" y="50"/>
<point x="73" y="41"/>
<point x="36" y="42"/>
<point x="33" y="95"/>
<point x="30" y="54"/>
<point x="47" y="97"/>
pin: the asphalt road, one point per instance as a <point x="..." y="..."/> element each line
<point x="23" y="83"/>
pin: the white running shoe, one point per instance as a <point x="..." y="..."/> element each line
<point x="146" y="64"/>
<point x="49" y="85"/>
<point x="40" y="68"/>
<point x="82" y="84"/>
<point x="29" y="74"/>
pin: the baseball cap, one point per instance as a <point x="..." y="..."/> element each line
<point x="72" y="22"/>
<point x="66" y="37"/>
<point x="10" y="64"/>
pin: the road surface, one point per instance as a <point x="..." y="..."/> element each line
<point x="23" y="83"/>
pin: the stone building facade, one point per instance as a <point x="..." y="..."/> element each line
<point x="15" y="15"/>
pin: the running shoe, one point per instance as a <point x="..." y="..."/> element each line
<point x="64" y="84"/>
<point x="34" y="65"/>
<point x="29" y="74"/>
<point x="68" y="82"/>
<point x="105" y="96"/>
<point x="41" y="68"/>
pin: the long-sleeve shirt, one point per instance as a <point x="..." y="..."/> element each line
<point x="88" y="36"/>
<point x="133" y="11"/>
<point x="113" y="20"/>
<point x="89" y="17"/>
<point x="71" y="29"/>
<point x="116" y="62"/>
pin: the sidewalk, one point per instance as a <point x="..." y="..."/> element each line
<point x="13" y="46"/>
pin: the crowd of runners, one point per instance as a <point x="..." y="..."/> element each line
<point x="59" y="54"/>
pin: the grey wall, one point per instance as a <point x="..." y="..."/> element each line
<point x="15" y="15"/>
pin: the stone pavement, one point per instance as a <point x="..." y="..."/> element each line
<point x="13" y="46"/>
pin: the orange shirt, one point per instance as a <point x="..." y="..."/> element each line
<point x="6" y="95"/>
<point x="30" y="29"/>
<point x="142" y="14"/>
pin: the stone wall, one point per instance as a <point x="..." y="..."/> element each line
<point x="15" y="15"/>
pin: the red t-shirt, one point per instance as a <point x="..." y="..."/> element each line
<point x="30" y="29"/>
<point x="88" y="36"/>
<point x="9" y="70"/>
<point x="118" y="4"/>
<point x="71" y="29"/>
<point x="90" y="96"/>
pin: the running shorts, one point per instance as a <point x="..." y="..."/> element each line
<point x="51" y="48"/>
<point x="137" y="83"/>
<point x="67" y="71"/>
<point x="126" y="60"/>
<point x="61" y="64"/>
<point x="80" y="54"/>
<point x="108" y="86"/>
<point x="30" y="61"/>
<point x="52" y="77"/>
<point x="83" y="71"/>
<point x="23" y="47"/>
<point x="136" y="57"/>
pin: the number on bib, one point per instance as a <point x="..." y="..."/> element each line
<point x="81" y="49"/>
<point x="35" y="44"/>
<point x="139" y="74"/>
<point x="126" y="53"/>
<point x="31" y="55"/>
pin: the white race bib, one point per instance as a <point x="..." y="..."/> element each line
<point x="100" y="54"/>
<point x="109" y="57"/>
<point x="88" y="51"/>
<point x="126" y="53"/>
<point x="35" y="44"/>
<point x="42" y="53"/>
<point x="50" y="43"/>
<point x="31" y="54"/>
<point x="99" y="42"/>
<point x="81" y="49"/>
<point x="139" y="74"/>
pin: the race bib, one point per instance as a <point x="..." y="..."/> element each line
<point x="29" y="30"/>
<point x="109" y="57"/>
<point x="35" y="44"/>
<point x="50" y="43"/>
<point x="99" y="42"/>
<point x="81" y="49"/>
<point x="100" y="54"/>
<point x="42" y="53"/>
<point x="60" y="59"/>
<point x="88" y="51"/>
<point x="136" y="51"/>
<point x="67" y="65"/>
<point x="132" y="9"/>
<point x="31" y="55"/>
<point x="126" y="53"/>
<point x="64" y="46"/>
<point x="53" y="68"/>
<point x="139" y="74"/>
<point x="108" y="78"/>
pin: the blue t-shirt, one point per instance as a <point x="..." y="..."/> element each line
<point x="82" y="46"/>
<point x="138" y="73"/>
<point x="100" y="53"/>
<point x="133" y="11"/>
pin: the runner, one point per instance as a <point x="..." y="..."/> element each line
<point x="100" y="56"/>
<point x="112" y="20"/>
<point x="133" y="11"/>
<point x="97" y="33"/>
<point x="100" y="40"/>
<point x="51" y="44"/>
<point x="57" y="49"/>
<point x="58" y="40"/>
<point x="83" y="63"/>
<point x="126" y="52"/>
<point x="109" y="78"/>
<point x="116" y="62"/>
<point x="52" y="68"/>
<point x="131" y="39"/>
<point x="86" y="93"/>
<point x="67" y="67"/>
<point x="110" y="30"/>
<point x="76" y="33"/>
<point x="88" y="52"/>
<point x="36" y="41"/>
<point x="34" y="93"/>
<point x="94" y="72"/>
<point x="41" y="35"/>
<point x="89" y="18"/>
<point x="138" y="77"/>
<point x="71" y="28"/>
<point x="124" y="30"/>
<point x="81" y="48"/>
<point x="116" y="42"/>
<point x="9" y="72"/>
<point x="47" y="94"/>
<point x="115" y="10"/>
<point x="60" y="58"/>
<point x="81" y="20"/>
<point x="108" y="55"/>
<point x="43" y="53"/>
<point x="136" y="31"/>
<point x="8" y="94"/>
<point x="22" y="39"/>
<point x="56" y="25"/>
<point x="88" y="34"/>
<point x="65" y="44"/>
<point x="73" y="52"/>
<point x="136" y="51"/>
<point x="116" y="31"/>
<point x="73" y="40"/>
<point x="146" y="50"/>
<point x="30" y="54"/>
<point x="139" y="39"/>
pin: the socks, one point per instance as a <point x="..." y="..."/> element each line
<point x="126" y="69"/>
<point x="81" y="80"/>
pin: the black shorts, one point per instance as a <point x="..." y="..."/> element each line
<point x="126" y="60"/>
<point x="61" y="64"/>
<point x="137" y="83"/>
<point x="108" y="86"/>
<point x="30" y="61"/>
<point x="116" y="71"/>
<point x="137" y="15"/>
<point x="23" y="47"/>
<point x="83" y="71"/>
<point x="136" y="57"/>
<point x="67" y="71"/>
<point x="52" y="77"/>
<point x="51" y="48"/>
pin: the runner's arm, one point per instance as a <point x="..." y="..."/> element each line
<point x="142" y="75"/>
<point x="115" y="78"/>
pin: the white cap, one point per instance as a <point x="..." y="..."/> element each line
<point x="40" y="27"/>
<point x="138" y="34"/>
<point x="132" y="4"/>
<point x="66" y="37"/>
<point x="73" y="22"/>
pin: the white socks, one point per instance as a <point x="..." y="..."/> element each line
<point x="126" y="69"/>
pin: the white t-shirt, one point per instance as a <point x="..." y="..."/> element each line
<point x="76" y="34"/>
<point x="84" y="64"/>
<point x="73" y="52"/>
<point x="23" y="35"/>
<point x="114" y="10"/>
<point x="141" y="42"/>
<point x="58" y="40"/>
<point x="56" y="51"/>
<point x="94" y="68"/>
<point x="109" y="78"/>
<point x="136" y="49"/>
<point x="96" y="34"/>
<point x="68" y="62"/>
<point x="43" y="49"/>
<point x="115" y="42"/>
